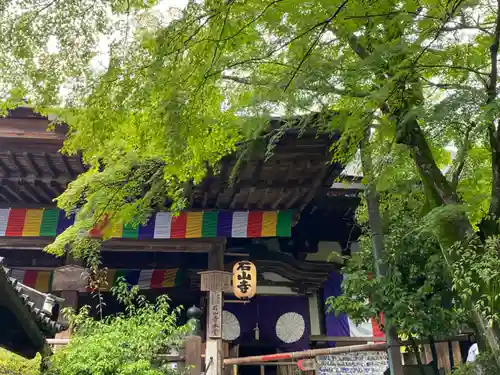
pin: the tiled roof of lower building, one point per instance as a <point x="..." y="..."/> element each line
<point x="25" y="317"/>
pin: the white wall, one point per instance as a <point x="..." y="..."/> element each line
<point x="314" y="315"/>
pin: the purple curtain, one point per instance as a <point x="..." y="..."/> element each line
<point x="247" y="317"/>
<point x="266" y="310"/>
<point x="336" y="325"/>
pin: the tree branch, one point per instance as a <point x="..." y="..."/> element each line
<point x="453" y="67"/>
<point x="448" y="86"/>
<point x="460" y="27"/>
<point x="308" y="53"/>
<point x="221" y="33"/>
<point x="490" y="225"/>
<point x="327" y="89"/>
<point x="461" y="155"/>
<point x="252" y="21"/>
<point x="410" y="133"/>
<point x="269" y="53"/>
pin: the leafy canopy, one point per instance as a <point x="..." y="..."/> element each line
<point x="171" y="98"/>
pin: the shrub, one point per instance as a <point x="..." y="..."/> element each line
<point x="12" y="364"/>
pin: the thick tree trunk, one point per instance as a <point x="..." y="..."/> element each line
<point x="490" y="224"/>
<point x="435" y="183"/>
<point x="440" y="192"/>
<point x="437" y="188"/>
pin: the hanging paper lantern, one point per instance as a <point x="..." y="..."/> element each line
<point x="230" y="326"/>
<point x="290" y="327"/>
<point x="244" y="280"/>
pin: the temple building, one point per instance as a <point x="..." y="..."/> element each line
<point x="285" y="214"/>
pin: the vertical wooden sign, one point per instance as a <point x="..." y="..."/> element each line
<point x="215" y="315"/>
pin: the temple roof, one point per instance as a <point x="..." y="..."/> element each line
<point x="33" y="172"/>
<point x="25" y="319"/>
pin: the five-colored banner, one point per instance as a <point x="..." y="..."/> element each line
<point x="144" y="279"/>
<point x="15" y="222"/>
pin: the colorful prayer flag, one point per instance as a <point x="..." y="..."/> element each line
<point x="163" y="225"/>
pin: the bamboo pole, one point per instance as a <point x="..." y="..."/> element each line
<point x="306" y="354"/>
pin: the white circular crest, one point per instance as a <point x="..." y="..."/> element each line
<point x="290" y="327"/>
<point x="230" y="326"/>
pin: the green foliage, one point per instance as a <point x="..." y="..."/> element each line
<point x="125" y="344"/>
<point x="12" y="364"/>
<point x="484" y="365"/>
<point x="416" y="295"/>
<point x="476" y="275"/>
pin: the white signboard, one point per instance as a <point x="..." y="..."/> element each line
<point x="359" y="363"/>
<point x="215" y="315"/>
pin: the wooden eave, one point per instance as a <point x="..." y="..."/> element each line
<point x="33" y="171"/>
<point x="193" y="245"/>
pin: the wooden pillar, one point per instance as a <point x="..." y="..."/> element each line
<point x="70" y="300"/>
<point x="213" y="349"/>
<point x="192" y="355"/>
<point x="231" y="352"/>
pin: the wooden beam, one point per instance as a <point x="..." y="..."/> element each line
<point x="80" y="159"/>
<point x="214" y="355"/>
<point x="6" y="170"/>
<point x="251" y="190"/>
<point x="277" y="184"/>
<point x="205" y="186"/>
<point x="256" y="172"/>
<point x="31" y="163"/>
<point x="50" y="166"/>
<point x="45" y="191"/>
<point x="30" y="191"/>
<point x="221" y="181"/>
<point x="62" y="180"/>
<point x="317" y="182"/>
<point x="202" y="245"/>
<point x="7" y="186"/>
<point x="4" y="196"/>
<point x="67" y="168"/>
<point x="15" y="162"/>
<point x="294" y="198"/>
<point x="277" y="202"/>
<point x="236" y="190"/>
<point x="263" y="204"/>
<point x="288" y="284"/>
<point x="56" y="186"/>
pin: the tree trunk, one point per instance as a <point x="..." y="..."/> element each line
<point x="437" y="188"/>
<point x="372" y="201"/>
<point x="417" y="356"/>
<point x="439" y="191"/>
<point x="435" y="364"/>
